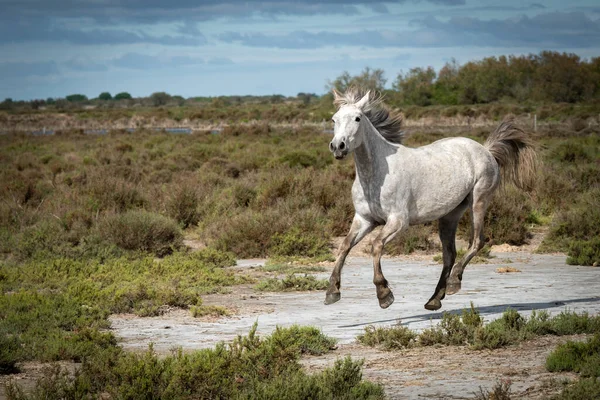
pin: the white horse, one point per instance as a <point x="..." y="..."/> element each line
<point x="397" y="186"/>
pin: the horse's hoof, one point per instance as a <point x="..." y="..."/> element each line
<point x="433" y="305"/>
<point x="387" y="300"/>
<point x="331" y="298"/>
<point x="452" y="287"/>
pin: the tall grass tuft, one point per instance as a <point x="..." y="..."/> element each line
<point x="140" y="230"/>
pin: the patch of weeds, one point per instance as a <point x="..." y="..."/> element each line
<point x="294" y="242"/>
<point x="306" y="339"/>
<point x="392" y="338"/>
<point x="249" y="367"/>
<point x="580" y="222"/>
<point x="290" y="267"/>
<point x="142" y="231"/>
<point x="292" y="282"/>
<point x="183" y="206"/>
<point x="581" y="357"/>
<point x="212" y="311"/>
<point x="468" y="329"/>
<point x="453" y="329"/>
<point x="584" y="252"/>
<point x="500" y="391"/>
<point x="57" y="307"/>
<point x="583" y="389"/>
<point x="10" y="347"/>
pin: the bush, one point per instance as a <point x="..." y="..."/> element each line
<point x="577" y="357"/>
<point x="580" y="222"/>
<point x="291" y="283"/>
<point x="584" y="252"/>
<point x="583" y="389"/>
<point x="140" y="230"/>
<point x="182" y="206"/>
<point x="297" y="243"/>
<point x="10" y="348"/>
<point x="393" y="338"/>
<point x="250" y="367"/>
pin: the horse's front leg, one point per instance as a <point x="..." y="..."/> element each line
<point x="359" y="229"/>
<point x="393" y="226"/>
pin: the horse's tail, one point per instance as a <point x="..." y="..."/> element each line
<point x="514" y="152"/>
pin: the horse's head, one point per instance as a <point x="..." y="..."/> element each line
<point x="347" y="131"/>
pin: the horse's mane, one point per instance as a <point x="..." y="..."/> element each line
<point x="387" y="122"/>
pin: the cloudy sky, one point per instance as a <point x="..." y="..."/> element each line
<point x="52" y="48"/>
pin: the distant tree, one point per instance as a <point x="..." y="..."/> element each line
<point x="76" y="98"/>
<point x="122" y="96"/>
<point x="561" y="78"/>
<point x="277" y="98"/>
<point x="370" y="79"/>
<point x="446" y="87"/>
<point x="416" y="87"/>
<point x="105" y="96"/>
<point x="7" y="104"/>
<point x="306" y="98"/>
<point x="37" y="103"/>
<point x="179" y="100"/>
<point x="50" y="100"/>
<point x="160" y="98"/>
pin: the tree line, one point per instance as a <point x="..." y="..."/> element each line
<point x="547" y="77"/>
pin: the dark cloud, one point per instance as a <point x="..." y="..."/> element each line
<point x="11" y="70"/>
<point x="556" y="29"/>
<point x="146" y="62"/>
<point x="80" y="64"/>
<point x="308" y="40"/>
<point x="44" y="31"/>
<point x="156" y="11"/>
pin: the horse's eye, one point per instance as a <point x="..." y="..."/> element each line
<point x="333" y="120"/>
<point x="357" y="119"/>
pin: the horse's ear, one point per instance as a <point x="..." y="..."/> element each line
<point x="363" y="102"/>
<point x="337" y="96"/>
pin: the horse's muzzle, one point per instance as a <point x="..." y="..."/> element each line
<point x="339" y="154"/>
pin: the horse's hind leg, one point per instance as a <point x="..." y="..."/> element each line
<point x="447" y="230"/>
<point x="391" y="229"/>
<point x="360" y="227"/>
<point x="478" y="213"/>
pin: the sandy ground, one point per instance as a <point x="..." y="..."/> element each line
<point x="542" y="282"/>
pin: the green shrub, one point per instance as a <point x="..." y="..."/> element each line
<point x="46" y="237"/>
<point x="584" y="252"/>
<point x="294" y="242"/>
<point x="291" y="283"/>
<point x="580" y="222"/>
<point x="305" y="339"/>
<point x="393" y="338"/>
<point x="580" y="357"/>
<point x="250" y="367"/>
<point x="183" y="206"/>
<point x="10" y="348"/>
<point x="213" y="311"/>
<point x="583" y="389"/>
<point x="140" y="230"/>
